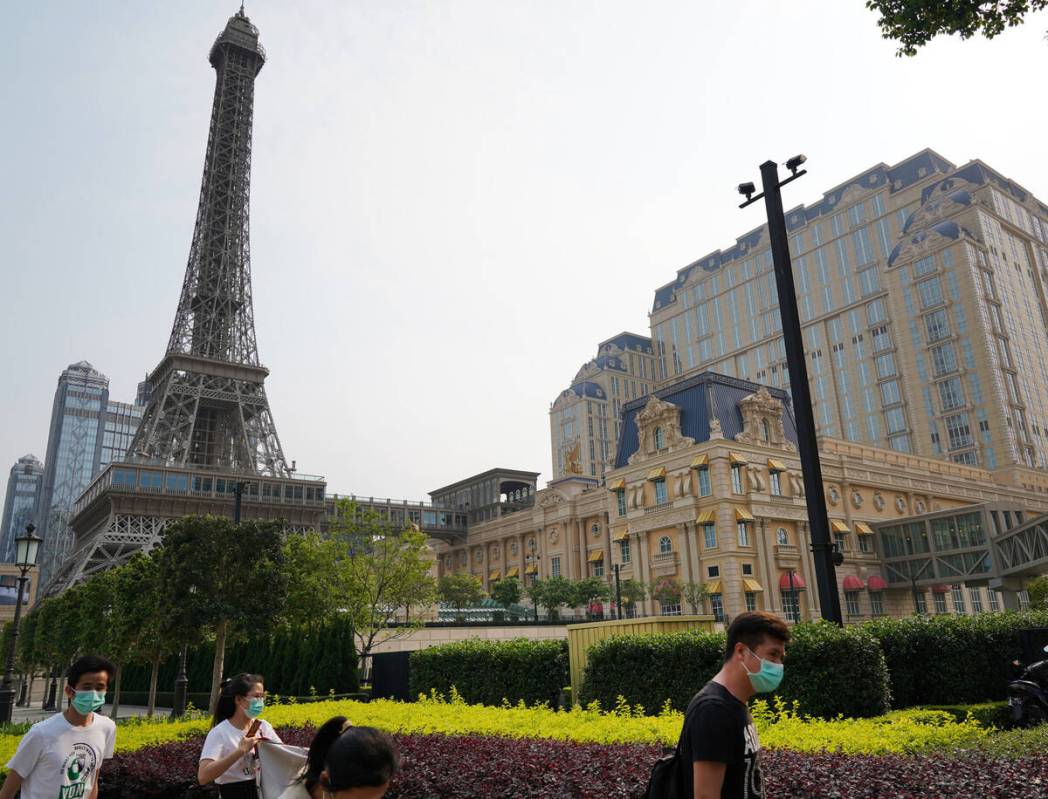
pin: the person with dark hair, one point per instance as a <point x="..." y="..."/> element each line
<point x="359" y="765"/>
<point x="62" y="755"/>
<point x="307" y="785"/>
<point x="228" y="758"/>
<point x="719" y="752"/>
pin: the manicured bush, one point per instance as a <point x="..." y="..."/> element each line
<point x="987" y="714"/>
<point x="947" y="660"/>
<point x="829" y="670"/>
<point x="488" y="672"/>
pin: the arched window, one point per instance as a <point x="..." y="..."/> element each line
<point x="665" y="545"/>
<point x="782" y="536"/>
<point x="660" y="439"/>
<point x="765" y="430"/>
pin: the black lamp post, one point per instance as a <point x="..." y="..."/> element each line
<point x="811" y="469"/>
<point x="618" y="594"/>
<point x="26" y="548"/>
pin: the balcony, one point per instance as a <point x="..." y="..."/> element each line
<point x="787" y="554"/>
<point x="665" y="564"/>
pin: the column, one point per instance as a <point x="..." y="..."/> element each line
<point x="766" y="572"/>
<point x="684" y="536"/>
<point x="580" y="529"/>
<point x="642" y="568"/>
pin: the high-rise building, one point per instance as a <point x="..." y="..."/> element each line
<point x="23" y="495"/>
<point x="921" y="289"/>
<point x="206" y="442"/>
<point x="584" y="419"/>
<point x="120" y="425"/>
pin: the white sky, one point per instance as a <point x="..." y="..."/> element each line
<point x="452" y="202"/>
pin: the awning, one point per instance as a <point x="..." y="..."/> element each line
<point x="939" y="588"/>
<point x="751" y="586"/>
<point x="714" y="586"/>
<point x="876" y="583"/>
<point x="617" y="485"/>
<point x="863" y="529"/>
<point x="596" y="556"/>
<point x="533" y="568"/>
<point x="620" y="534"/>
<point x="852" y="583"/>
<point x="657" y="473"/>
<point x="512" y="572"/>
<point x="737" y="459"/>
<point x="776" y="466"/>
<point x="495" y="574"/>
<point x="784" y="582"/>
<point x="706" y="517"/>
<point x="838" y="526"/>
<point x="743" y="515"/>
<point x="700" y="461"/>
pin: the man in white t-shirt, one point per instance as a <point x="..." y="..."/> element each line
<point x="60" y="758"/>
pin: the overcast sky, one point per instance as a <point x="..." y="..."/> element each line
<point x="452" y="202"/>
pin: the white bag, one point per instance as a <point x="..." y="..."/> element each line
<point x="282" y="765"/>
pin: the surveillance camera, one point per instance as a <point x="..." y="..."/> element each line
<point x="794" y="163"/>
<point x="747" y="189"/>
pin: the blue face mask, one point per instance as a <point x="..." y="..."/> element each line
<point x="255" y="707"/>
<point x="767" y="679"/>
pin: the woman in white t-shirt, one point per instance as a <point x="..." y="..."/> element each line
<point x="228" y="757"/>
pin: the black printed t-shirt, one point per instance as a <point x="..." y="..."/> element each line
<point x="718" y="728"/>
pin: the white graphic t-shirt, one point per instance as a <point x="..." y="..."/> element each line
<point x="223" y="740"/>
<point x="59" y="761"/>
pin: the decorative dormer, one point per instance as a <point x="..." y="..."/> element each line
<point x="762" y="421"/>
<point x="658" y="428"/>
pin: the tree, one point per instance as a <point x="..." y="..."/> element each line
<point x="633" y="592"/>
<point x="1038" y="592"/>
<point x="506" y="592"/>
<point x="590" y="590"/>
<point x="460" y="590"/>
<point x="315" y="567"/>
<point x="386" y="578"/>
<point x="100" y="629"/>
<point x="913" y="23"/>
<point x="667" y="590"/>
<point x="552" y="594"/>
<point x="229" y="578"/>
<point x="695" y="594"/>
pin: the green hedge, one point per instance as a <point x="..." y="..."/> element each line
<point x="949" y="660"/>
<point x="486" y="672"/>
<point x="988" y="714"/>
<point x="829" y="670"/>
<point x="293" y="662"/>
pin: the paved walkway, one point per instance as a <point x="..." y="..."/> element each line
<point x="35" y="713"/>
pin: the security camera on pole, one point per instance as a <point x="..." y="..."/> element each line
<point x="825" y="552"/>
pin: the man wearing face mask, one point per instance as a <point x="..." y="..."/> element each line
<point x="719" y="748"/>
<point x="60" y="758"/>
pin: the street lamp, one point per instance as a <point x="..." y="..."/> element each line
<point x="811" y="469"/>
<point x="26" y="548"/>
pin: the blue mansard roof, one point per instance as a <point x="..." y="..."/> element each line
<point x="697" y="397"/>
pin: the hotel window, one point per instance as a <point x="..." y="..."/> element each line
<point x="851" y="602"/>
<point x="876" y="604"/>
<point x="782" y="537"/>
<point x="775" y="483"/>
<point x="994" y="604"/>
<point x="709" y="532"/>
<point x="717" y="606"/>
<point x="840" y="540"/>
<point x="751" y="601"/>
<point x="554" y="569"/>
<point x="661" y="497"/>
<point x="920" y="604"/>
<point x="744" y="534"/>
<point x="736" y="479"/>
<point x="671" y="607"/>
<point x="665" y="545"/>
<point x="712" y="571"/>
<point x="936" y="326"/>
<point x="951" y="394"/>
<point x="976" y="599"/>
<point x="791" y="606"/>
<point x="620" y="502"/>
<point x="598" y="568"/>
<point x="864" y="543"/>
<point x="705" y="489"/>
<point x="940" y="603"/>
<point x="930" y="292"/>
<point x="944" y="358"/>
<point x="660" y="439"/>
<point x="885" y="365"/>
<point x="958" y="431"/>
<point x="624" y="550"/>
<point x="957" y="595"/>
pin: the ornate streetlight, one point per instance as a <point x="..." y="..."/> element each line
<point x="26" y="548"/>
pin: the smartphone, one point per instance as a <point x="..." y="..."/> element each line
<point x="253" y="729"/>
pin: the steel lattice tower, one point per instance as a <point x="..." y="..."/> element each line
<point x="209" y="406"/>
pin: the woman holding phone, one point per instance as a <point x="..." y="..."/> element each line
<point x="228" y="757"/>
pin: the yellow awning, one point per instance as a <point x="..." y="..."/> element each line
<point x="737" y="459"/>
<point x="743" y="515"/>
<point x="496" y="574"/>
<point x="776" y="466"/>
<point x="863" y="529"/>
<point x="706" y="517"/>
<point x="617" y="485"/>
<point x="533" y="568"/>
<point x="596" y="556"/>
<point x="838" y="526"/>
<point x="714" y="586"/>
<point x="700" y="461"/>
<point x="621" y="534"/>
<point x="657" y="474"/>
<point x="512" y="572"/>
<point x="751" y="586"/>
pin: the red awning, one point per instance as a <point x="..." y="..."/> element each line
<point x="784" y="582"/>
<point x="939" y="588"/>
<point x="853" y="583"/>
<point x="876" y="583"/>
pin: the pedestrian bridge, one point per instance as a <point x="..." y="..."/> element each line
<point x="438" y="522"/>
<point x="1023" y="550"/>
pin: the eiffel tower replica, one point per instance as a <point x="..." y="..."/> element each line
<point x="207" y="442"/>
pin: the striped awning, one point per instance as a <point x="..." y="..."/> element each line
<point x="512" y="572"/>
<point x="495" y="574"/>
<point x="617" y="485"/>
<point x="743" y="515"/>
<point x="533" y="568"/>
<point x="750" y="585"/>
<point x="776" y="466"/>
<point x="596" y="556"/>
<point x="737" y="459"/>
<point x="714" y="586"/>
<point x="838" y="526"/>
<point x="863" y="529"/>
<point x="620" y="534"/>
<point x="706" y="517"/>
<point x="658" y="473"/>
<point x="700" y="461"/>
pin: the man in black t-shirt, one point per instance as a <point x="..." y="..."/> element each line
<point x="719" y="748"/>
